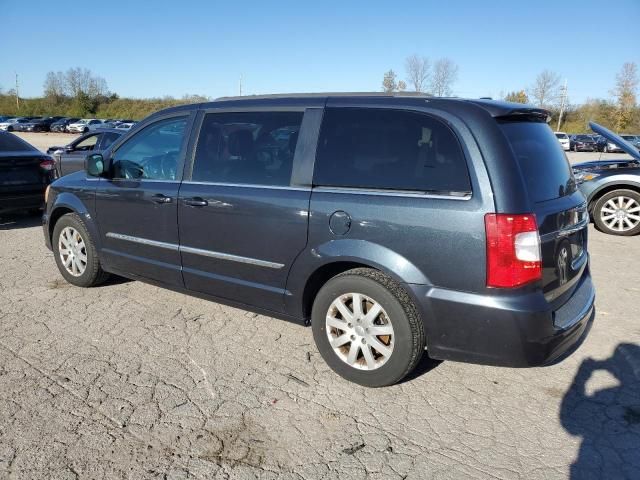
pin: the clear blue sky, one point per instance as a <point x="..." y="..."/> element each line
<point x="176" y="47"/>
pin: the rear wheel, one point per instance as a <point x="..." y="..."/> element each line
<point x="367" y="328"/>
<point x="75" y="253"/>
<point x="618" y="212"/>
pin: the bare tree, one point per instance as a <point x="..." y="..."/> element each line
<point x="55" y="85"/>
<point x="389" y="83"/>
<point x="417" y="72"/>
<point x="625" y="93"/>
<point x="546" y="89"/>
<point x="81" y="81"/>
<point x="445" y="74"/>
<point x="402" y="86"/>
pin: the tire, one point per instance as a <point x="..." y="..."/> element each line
<point x="92" y="274"/>
<point x="86" y="130"/>
<point x="9" y="128"/>
<point x="610" y="204"/>
<point x="405" y="338"/>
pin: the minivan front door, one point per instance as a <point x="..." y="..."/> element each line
<point x="242" y="221"/>
<point x="137" y="204"/>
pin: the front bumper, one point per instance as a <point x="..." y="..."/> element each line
<point x="585" y="148"/>
<point x="520" y="330"/>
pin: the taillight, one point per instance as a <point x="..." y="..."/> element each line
<point x="513" y="250"/>
<point x="47" y="164"/>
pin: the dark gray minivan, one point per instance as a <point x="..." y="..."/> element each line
<point x="393" y="224"/>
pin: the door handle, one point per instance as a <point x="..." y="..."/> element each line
<point x="160" y="198"/>
<point x="196" y="202"/>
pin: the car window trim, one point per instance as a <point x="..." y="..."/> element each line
<point x="189" y="115"/>
<point x="197" y="129"/>
<point x="389" y="192"/>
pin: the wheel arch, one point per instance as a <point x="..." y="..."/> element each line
<point x="66" y="202"/>
<point x="610" y="187"/>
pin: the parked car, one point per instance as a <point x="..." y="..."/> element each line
<point x="25" y="172"/>
<point x="61" y="124"/>
<point x="607" y="146"/>
<point x="82" y="126"/>
<point x="612" y="188"/>
<point x="632" y="139"/>
<point x="14" y="124"/>
<point x="376" y="218"/>
<point x="125" y="125"/>
<point x="582" y="143"/>
<point x="563" y="138"/>
<point x="4" y="118"/>
<point x="70" y="158"/>
<point x="39" y="124"/>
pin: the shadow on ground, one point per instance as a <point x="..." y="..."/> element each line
<point x="20" y="220"/>
<point x="608" y="420"/>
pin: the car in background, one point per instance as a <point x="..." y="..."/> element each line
<point x="563" y="138"/>
<point x="632" y="139"/>
<point x="39" y="124"/>
<point x="582" y="143"/>
<point x="125" y="125"/>
<point x="15" y="124"/>
<point x="603" y="144"/>
<point x="25" y="173"/>
<point x="70" y="158"/>
<point x="82" y="126"/>
<point x="9" y="122"/>
<point x="612" y="187"/>
<point x="61" y="124"/>
<point x="4" y="118"/>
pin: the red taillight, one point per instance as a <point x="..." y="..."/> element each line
<point x="513" y="250"/>
<point x="47" y="164"/>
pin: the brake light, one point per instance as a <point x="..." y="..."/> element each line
<point x="47" y="164"/>
<point x="513" y="250"/>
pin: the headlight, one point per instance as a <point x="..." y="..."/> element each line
<point x="585" y="176"/>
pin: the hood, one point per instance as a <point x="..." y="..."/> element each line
<point x="613" y="138"/>
<point x="605" y="164"/>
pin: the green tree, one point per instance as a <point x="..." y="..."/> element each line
<point x="517" y="97"/>
<point x="625" y="94"/>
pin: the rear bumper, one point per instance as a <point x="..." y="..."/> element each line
<point x="513" y="331"/>
<point x="17" y="202"/>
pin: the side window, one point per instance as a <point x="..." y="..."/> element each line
<point x="152" y="153"/>
<point x="107" y="139"/>
<point x="389" y="149"/>
<point x="255" y="148"/>
<point x="87" y="144"/>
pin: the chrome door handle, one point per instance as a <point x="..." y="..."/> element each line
<point x="160" y="198"/>
<point x="196" y="202"/>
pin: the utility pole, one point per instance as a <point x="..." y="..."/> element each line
<point x="17" y="93"/>
<point x="240" y="85"/>
<point x="563" y="103"/>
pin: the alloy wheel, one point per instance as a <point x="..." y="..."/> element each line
<point x="72" y="251"/>
<point x="360" y="331"/>
<point x="621" y="213"/>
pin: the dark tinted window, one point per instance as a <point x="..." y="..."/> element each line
<point x="255" y="148"/>
<point x="544" y="165"/>
<point x="152" y="153"/>
<point x="389" y="149"/>
<point x="107" y="139"/>
<point x="11" y="143"/>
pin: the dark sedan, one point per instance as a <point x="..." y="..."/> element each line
<point x="25" y="172"/>
<point x="583" y="143"/>
<point x="39" y="124"/>
<point x="61" y="125"/>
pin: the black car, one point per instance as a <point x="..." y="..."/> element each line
<point x="39" y="124"/>
<point x="25" y="172"/>
<point x="582" y="143"/>
<point x="61" y="125"/>
<point x="391" y="224"/>
<point x="70" y="158"/>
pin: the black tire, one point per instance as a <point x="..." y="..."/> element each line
<point x="86" y="130"/>
<point x="408" y="329"/>
<point x="602" y="201"/>
<point x="93" y="274"/>
<point x="9" y="128"/>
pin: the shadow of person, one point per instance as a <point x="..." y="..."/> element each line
<point x="608" y="420"/>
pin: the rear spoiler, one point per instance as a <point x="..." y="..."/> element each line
<point x="513" y="111"/>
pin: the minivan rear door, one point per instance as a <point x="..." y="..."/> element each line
<point x="560" y="208"/>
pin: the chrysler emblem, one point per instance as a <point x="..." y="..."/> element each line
<point x="563" y="256"/>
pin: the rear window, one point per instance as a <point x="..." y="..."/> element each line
<point x="11" y="143"/>
<point x="389" y="149"/>
<point x="542" y="161"/>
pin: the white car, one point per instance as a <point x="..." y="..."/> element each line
<point x="83" y="126"/>
<point x="7" y="123"/>
<point x="563" y="138"/>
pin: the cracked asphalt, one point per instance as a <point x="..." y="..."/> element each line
<point x="131" y="381"/>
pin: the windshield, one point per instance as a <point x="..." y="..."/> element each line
<point x="561" y="136"/>
<point x="583" y="138"/>
<point x="542" y="161"/>
<point x="628" y="137"/>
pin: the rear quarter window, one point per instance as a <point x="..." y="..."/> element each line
<point x="389" y="150"/>
<point x="543" y="163"/>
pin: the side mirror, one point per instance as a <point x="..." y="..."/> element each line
<point x="68" y="148"/>
<point x="94" y="165"/>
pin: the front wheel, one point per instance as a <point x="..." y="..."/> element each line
<point x="75" y="253"/>
<point x="618" y="213"/>
<point x="367" y="328"/>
